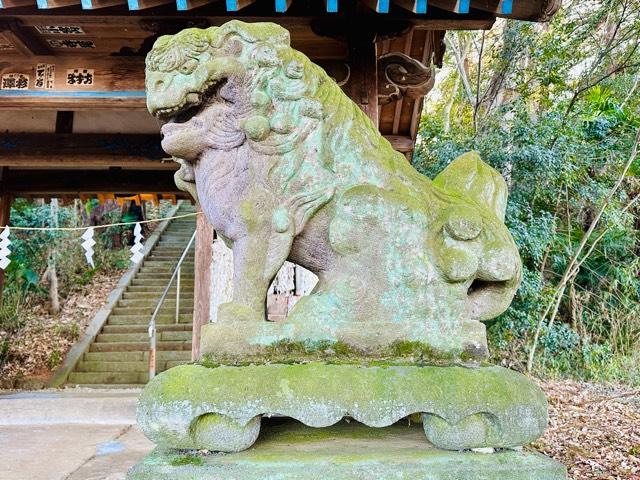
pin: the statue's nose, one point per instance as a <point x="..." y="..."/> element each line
<point x="159" y="85"/>
<point x="498" y="263"/>
<point x="156" y="87"/>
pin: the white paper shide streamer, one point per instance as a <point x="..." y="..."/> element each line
<point x="136" y="250"/>
<point x="88" y="244"/>
<point x="4" y="248"/>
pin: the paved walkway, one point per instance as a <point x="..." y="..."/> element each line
<point x="69" y="435"/>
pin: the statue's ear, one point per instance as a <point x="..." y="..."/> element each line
<point x="212" y="35"/>
<point x="468" y="176"/>
<point x="251" y="33"/>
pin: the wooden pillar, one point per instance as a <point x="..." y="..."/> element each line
<point x="202" y="288"/>
<point x="363" y="61"/>
<point x="5" y="213"/>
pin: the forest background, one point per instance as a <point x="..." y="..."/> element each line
<point x="555" y="107"/>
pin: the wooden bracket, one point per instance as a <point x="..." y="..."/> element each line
<point x="402" y="76"/>
<point x="26" y="42"/>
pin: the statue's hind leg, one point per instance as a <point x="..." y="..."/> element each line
<point x="351" y="297"/>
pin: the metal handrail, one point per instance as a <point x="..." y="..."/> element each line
<point x="152" y="323"/>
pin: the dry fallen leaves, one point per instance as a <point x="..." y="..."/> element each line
<point x="43" y="342"/>
<point x="593" y="429"/>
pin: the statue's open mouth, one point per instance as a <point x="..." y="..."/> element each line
<point x="193" y="103"/>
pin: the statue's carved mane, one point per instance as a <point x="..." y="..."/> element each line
<point x="296" y="89"/>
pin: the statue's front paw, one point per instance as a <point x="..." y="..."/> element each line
<point x="236" y="312"/>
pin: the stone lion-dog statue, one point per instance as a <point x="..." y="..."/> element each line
<point x="287" y="167"/>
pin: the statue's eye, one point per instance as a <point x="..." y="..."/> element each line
<point x="188" y="67"/>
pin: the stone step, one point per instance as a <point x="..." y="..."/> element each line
<point x="108" y="386"/>
<point x="149" y="282"/>
<point x="102" y="366"/>
<point x="172" y="327"/>
<point x="162" y="356"/>
<point x="187" y="273"/>
<point x="156" y="288"/>
<point x="187" y="280"/>
<point x="163" y="260"/>
<point x="148" y="311"/>
<point x="185" y="294"/>
<point x="169" y="301"/>
<point x="169" y="260"/>
<point x="138" y="346"/>
<point x="171" y="253"/>
<point x="119" y="354"/>
<point x="108" y="377"/>
<point x="162" y="336"/>
<point x="187" y="270"/>
<point x="162" y="319"/>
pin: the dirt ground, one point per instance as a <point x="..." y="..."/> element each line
<point x="593" y="429"/>
<point x="37" y="349"/>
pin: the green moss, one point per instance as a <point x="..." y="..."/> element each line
<point x="340" y="353"/>
<point x="315" y="392"/>
<point x="187" y="460"/>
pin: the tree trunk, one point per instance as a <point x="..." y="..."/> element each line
<point x="52" y="277"/>
<point x="54" y="297"/>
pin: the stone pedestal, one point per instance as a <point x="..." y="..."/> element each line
<point x="219" y="408"/>
<point x="346" y="451"/>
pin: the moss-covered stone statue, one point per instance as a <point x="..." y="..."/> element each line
<point x="287" y="167"/>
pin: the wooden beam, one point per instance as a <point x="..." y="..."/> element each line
<point x="98" y="82"/>
<point x="400" y="143"/>
<point x="96" y="150"/>
<point x="415" y="6"/>
<point x="15" y="3"/>
<point x="144" y="4"/>
<point x="80" y="162"/>
<point x="362" y="86"/>
<point x="202" y="289"/>
<point x="46" y="4"/>
<point x="380" y="6"/>
<point x="96" y="4"/>
<point x="235" y="5"/>
<point x="455" y="6"/>
<point x="23" y="39"/>
<point x="65" y="182"/>
<point x="128" y="25"/>
<point x="184" y="5"/>
<point x="281" y="6"/>
<point x="331" y="6"/>
<point x="533" y="10"/>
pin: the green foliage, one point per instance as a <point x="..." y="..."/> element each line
<point x="67" y="330"/>
<point x="10" y="319"/>
<point x="55" y="359"/>
<point x="32" y="251"/>
<point x="559" y="126"/>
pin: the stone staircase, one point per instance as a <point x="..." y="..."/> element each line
<point x="119" y="354"/>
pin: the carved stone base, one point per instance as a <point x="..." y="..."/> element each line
<point x="220" y="408"/>
<point x="346" y="451"/>
<point x="227" y="342"/>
